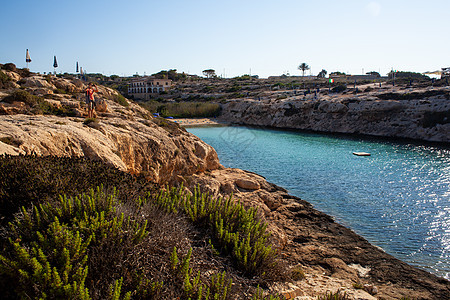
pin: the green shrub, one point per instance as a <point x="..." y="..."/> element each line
<point x="358" y="286"/>
<point x="260" y="295"/>
<point x="47" y="253"/>
<point x="184" y="109"/>
<point x="236" y="231"/>
<point x="339" y="89"/>
<point x="31" y="180"/>
<point x="218" y="287"/>
<point x="338" y="295"/>
<point x="22" y="96"/>
<point x="121" y="100"/>
<point x="92" y="122"/>
<point x="111" y="243"/>
<point x="4" y="80"/>
<point x="297" y="273"/>
<point x="11" y="141"/>
<point x="9" y="67"/>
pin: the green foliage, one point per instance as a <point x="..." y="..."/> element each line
<point x="48" y="246"/>
<point x="121" y="100"/>
<point x="171" y="74"/>
<point x="11" y="141"/>
<point x="339" y="89"/>
<point x="237" y="231"/>
<point x="260" y="295"/>
<point x="111" y="244"/>
<point x="297" y="273"/>
<point x="38" y="105"/>
<point x="233" y="89"/>
<point x="413" y="95"/>
<point x="303" y="67"/>
<point x="22" y="96"/>
<point x="28" y="180"/>
<point x="4" y="80"/>
<point x="338" y="295"/>
<point x="218" y="287"/>
<point x="408" y="75"/>
<point x="322" y="73"/>
<point x="358" y="285"/>
<point x="90" y="121"/>
<point x="184" y="109"/>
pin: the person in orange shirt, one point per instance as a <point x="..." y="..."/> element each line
<point x="90" y="100"/>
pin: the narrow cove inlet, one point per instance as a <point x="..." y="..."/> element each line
<point x="398" y="198"/>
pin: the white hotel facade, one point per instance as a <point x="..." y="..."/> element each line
<point x="145" y="87"/>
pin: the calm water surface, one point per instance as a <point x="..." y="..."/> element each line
<point x="398" y="198"/>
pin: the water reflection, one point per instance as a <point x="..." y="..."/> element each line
<point x="398" y="198"/>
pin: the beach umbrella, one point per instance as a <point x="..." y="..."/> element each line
<point x="28" y="58"/>
<point x="77" y="67"/>
<point x="55" y="64"/>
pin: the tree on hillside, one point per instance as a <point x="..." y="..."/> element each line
<point x="171" y="74"/>
<point x="303" y="67"/>
<point x="210" y="73"/>
<point x="337" y="73"/>
<point x="322" y="73"/>
<point x="373" y="73"/>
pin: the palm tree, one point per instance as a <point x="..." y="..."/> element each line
<point x="322" y="73"/>
<point x="303" y="67"/>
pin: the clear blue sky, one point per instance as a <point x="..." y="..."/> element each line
<point x="233" y="36"/>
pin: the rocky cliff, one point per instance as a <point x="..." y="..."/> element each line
<point x="422" y="114"/>
<point x="123" y="135"/>
<point x="46" y="116"/>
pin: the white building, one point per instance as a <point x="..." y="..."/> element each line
<point x="144" y="87"/>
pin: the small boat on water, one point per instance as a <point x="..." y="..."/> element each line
<point x="361" y="153"/>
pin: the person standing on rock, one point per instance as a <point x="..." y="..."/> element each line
<point x="90" y="100"/>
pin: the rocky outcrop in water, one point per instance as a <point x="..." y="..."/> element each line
<point x="422" y="115"/>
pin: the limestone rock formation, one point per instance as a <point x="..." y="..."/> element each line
<point x="425" y="118"/>
<point x="137" y="146"/>
<point x="127" y="137"/>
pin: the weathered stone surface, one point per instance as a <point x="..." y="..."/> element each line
<point x="65" y="85"/>
<point x="101" y="105"/>
<point x="247" y="184"/>
<point x="13" y="75"/>
<point x="333" y="256"/>
<point x="423" y="119"/>
<point x="37" y="81"/>
<point x="12" y="108"/>
<point x="137" y="146"/>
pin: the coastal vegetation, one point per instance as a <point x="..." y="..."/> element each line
<point x="183" y="109"/>
<point x="303" y="67"/>
<point x="72" y="237"/>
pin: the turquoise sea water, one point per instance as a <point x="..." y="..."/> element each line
<point x="398" y="198"/>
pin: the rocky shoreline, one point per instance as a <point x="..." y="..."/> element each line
<point x="127" y="137"/>
<point x="423" y="114"/>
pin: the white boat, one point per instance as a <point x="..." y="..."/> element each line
<point x="361" y="153"/>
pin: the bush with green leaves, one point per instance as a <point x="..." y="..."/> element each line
<point x="5" y="80"/>
<point x="48" y="250"/>
<point x="121" y="100"/>
<point x="186" y="109"/>
<point x="338" y="295"/>
<point x="235" y="230"/>
<point x="339" y="88"/>
<point x="120" y="243"/>
<point x="33" y="180"/>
